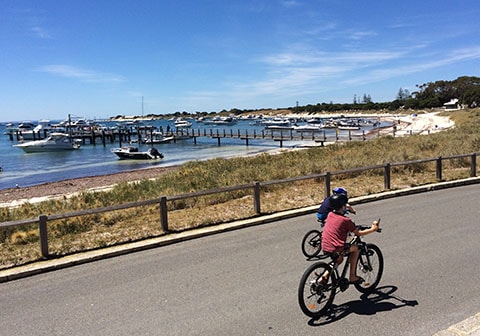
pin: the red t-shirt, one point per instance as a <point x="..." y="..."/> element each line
<point x="335" y="232"/>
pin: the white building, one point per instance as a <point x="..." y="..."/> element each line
<point x="452" y="105"/>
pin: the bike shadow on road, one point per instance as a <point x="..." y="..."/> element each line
<point x="382" y="299"/>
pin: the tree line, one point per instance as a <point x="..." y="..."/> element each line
<point x="429" y="95"/>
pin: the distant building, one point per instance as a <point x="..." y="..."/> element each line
<point x="452" y="105"/>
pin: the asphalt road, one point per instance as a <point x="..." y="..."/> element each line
<point x="245" y="282"/>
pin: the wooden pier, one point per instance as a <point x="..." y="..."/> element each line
<point x="103" y="137"/>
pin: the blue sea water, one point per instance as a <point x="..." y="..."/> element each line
<point x="24" y="169"/>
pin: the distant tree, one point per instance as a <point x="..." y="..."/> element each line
<point x="366" y="99"/>
<point x="402" y="94"/>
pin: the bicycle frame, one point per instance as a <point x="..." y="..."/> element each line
<point x="340" y="280"/>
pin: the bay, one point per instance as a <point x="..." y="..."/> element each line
<point x="22" y="169"/>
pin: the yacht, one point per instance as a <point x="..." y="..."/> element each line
<point x="40" y="131"/>
<point x="55" y="142"/>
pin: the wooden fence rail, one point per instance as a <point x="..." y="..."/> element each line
<point x="162" y="202"/>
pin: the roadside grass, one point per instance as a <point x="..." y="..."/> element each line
<point x="20" y="245"/>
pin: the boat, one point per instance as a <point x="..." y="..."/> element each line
<point x="276" y="121"/>
<point x="11" y="129"/>
<point x="24" y="126"/>
<point x="329" y="124"/>
<point x="224" y="120"/>
<point x="308" y="128"/>
<point x="182" y="123"/>
<point x="349" y="128"/>
<point x="348" y="125"/>
<point x="40" y="131"/>
<point x="157" y="138"/>
<point x="132" y="153"/>
<point x="279" y="127"/>
<point x="55" y="142"/>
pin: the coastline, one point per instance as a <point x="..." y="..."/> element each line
<point x="15" y="196"/>
<point x="405" y="124"/>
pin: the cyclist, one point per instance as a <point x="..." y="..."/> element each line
<point x="336" y="232"/>
<point x="326" y="206"/>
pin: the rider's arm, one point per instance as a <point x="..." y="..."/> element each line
<point x="350" y="209"/>
<point x="364" y="232"/>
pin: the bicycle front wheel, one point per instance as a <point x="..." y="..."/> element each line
<point x="314" y="294"/>
<point x="369" y="267"/>
<point x="312" y="243"/>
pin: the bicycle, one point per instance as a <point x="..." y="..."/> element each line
<point x="316" y="294"/>
<point x="312" y="242"/>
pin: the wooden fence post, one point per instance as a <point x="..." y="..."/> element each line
<point x="163" y="214"/>
<point x="43" y="232"/>
<point x="327" y="181"/>
<point x="387" y="176"/>
<point x="473" y="169"/>
<point x="439" y="168"/>
<point x="256" y="198"/>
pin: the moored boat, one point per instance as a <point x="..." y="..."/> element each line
<point x="308" y="128"/>
<point x="55" y="142"/>
<point x="132" y="153"/>
<point x="157" y="138"/>
<point x="224" y="121"/>
<point x="182" y="123"/>
<point x="40" y="131"/>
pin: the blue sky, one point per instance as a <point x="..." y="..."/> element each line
<point x="99" y="58"/>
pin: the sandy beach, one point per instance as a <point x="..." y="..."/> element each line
<point x="405" y="125"/>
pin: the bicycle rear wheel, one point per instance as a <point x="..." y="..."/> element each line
<point x="314" y="295"/>
<point x="370" y="268"/>
<point x="312" y="243"/>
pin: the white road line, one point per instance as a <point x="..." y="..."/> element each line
<point x="467" y="327"/>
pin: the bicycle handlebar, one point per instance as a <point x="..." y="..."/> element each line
<point x="363" y="227"/>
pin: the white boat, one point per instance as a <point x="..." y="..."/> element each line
<point x="132" y="153"/>
<point x="41" y="131"/>
<point x="182" y="123"/>
<point x="224" y="121"/>
<point x="55" y="142"/>
<point x="308" y="128"/>
<point x="279" y="127"/>
<point x="276" y="121"/>
<point x="349" y="128"/>
<point x="329" y="124"/>
<point x="11" y="129"/>
<point x="23" y="127"/>
<point x="157" y="138"/>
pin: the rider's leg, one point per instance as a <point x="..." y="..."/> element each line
<point x="353" y="263"/>
<point x="336" y="262"/>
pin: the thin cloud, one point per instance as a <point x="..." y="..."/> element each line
<point x="323" y="58"/>
<point x="83" y="75"/>
<point x="456" y="56"/>
<point x="359" y="35"/>
<point x="289" y="3"/>
<point x="40" y="32"/>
